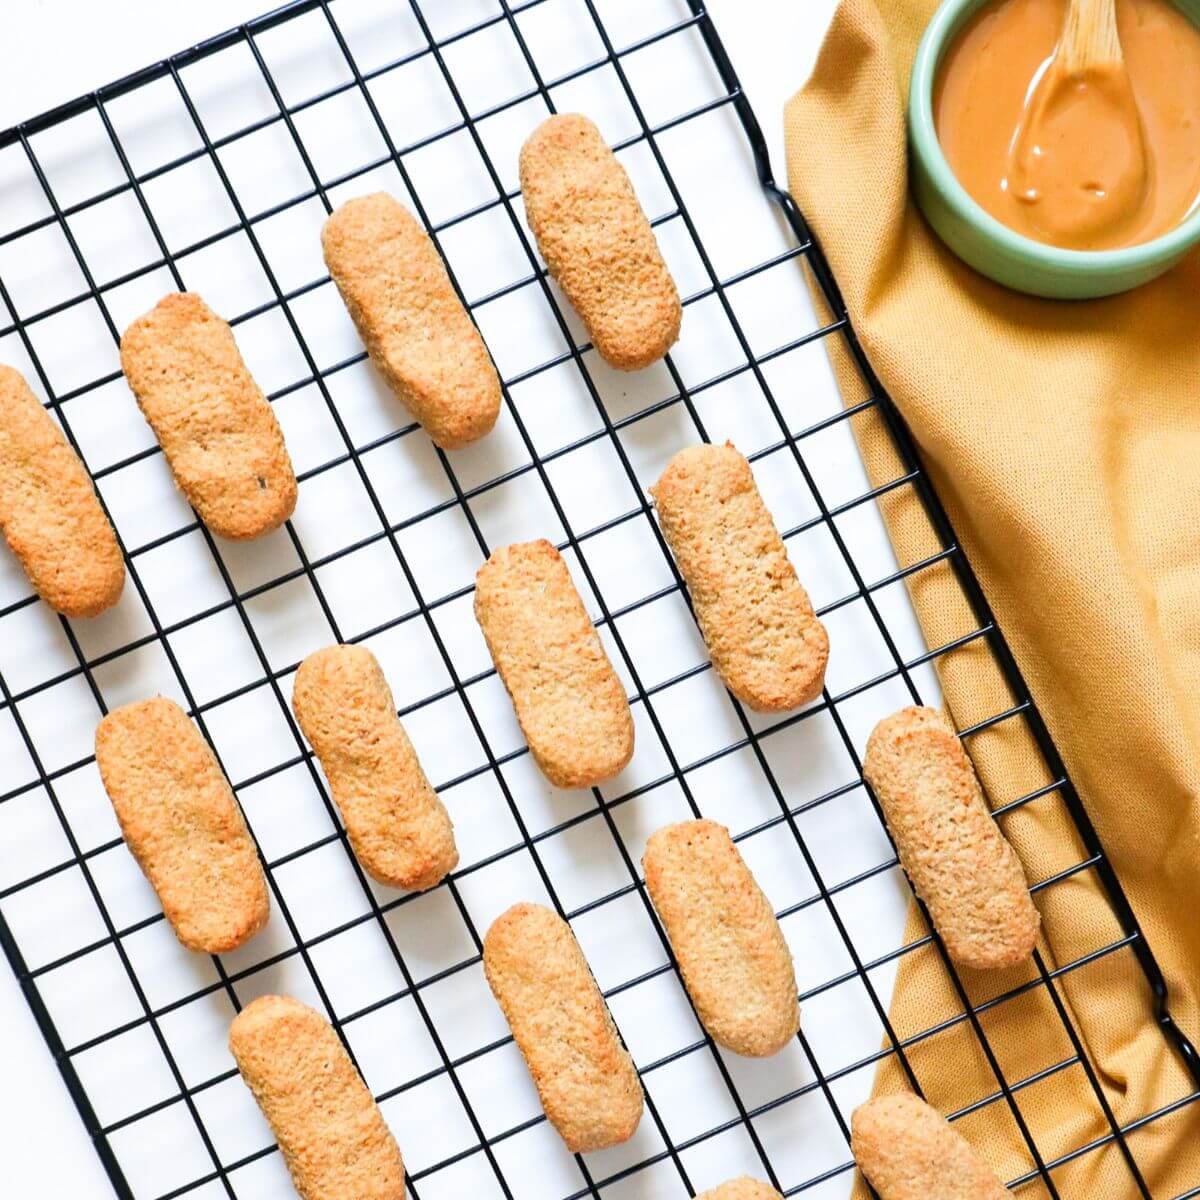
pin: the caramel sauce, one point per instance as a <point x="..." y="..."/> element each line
<point x="1105" y="158"/>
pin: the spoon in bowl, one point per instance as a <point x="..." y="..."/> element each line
<point x="1079" y="156"/>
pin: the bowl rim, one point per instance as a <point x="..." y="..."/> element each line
<point x="942" y="28"/>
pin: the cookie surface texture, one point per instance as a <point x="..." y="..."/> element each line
<point x="957" y="859"/>
<point x="569" y="702"/>
<point x="332" y="1135"/>
<point x="398" y="828"/>
<point x="218" y="432"/>
<point x="764" y="639"/>
<point x="182" y="823"/>
<point x="417" y="332"/>
<point x="742" y="1188"/>
<point x="49" y="512"/>
<point x="586" y="1080"/>
<point x="731" y="952"/>
<point x="597" y="242"/>
<point x="909" y="1151"/>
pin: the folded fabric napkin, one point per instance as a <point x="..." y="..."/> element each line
<point x="1064" y="441"/>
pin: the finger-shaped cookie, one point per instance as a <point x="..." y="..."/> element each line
<point x="742" y="1188"/>
<point x="908" y="1151"/>
<point x="399" y="829"/>
<point x="569" y="702"/>
<point x="731" y="952"/>
<point x="764" y="639"/>
<point x="597" y="242"/>
<point x="49" y="512"/>
<point x="959" y="862"/>
<point x="181" y="822"/>
<point x="216" y="428"/>
<point x="329" y="1128"/>
<point x="584" y="1076"/>
<point x="415" y="328"/>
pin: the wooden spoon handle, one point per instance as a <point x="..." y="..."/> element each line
<point x="1090" y="35"/>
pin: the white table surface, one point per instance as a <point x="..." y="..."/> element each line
<point x="43" y="1147"/>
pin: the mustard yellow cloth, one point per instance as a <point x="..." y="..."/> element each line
<point x="1064" y="441"/>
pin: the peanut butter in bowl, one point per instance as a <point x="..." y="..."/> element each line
<point x="1094" y="160"/>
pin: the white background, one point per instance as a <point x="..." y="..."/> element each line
<point x="53" y="50"/>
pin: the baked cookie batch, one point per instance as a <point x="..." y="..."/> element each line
<point x="182" y="822"/>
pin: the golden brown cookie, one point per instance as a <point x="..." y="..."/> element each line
<point x="597" y="242"/>
<point x="957" y="859"/>
<point x="216" y="428"/>
<point x="586" y="1080"/>
<point x="742" y="1188"/>
<point x="329" y="1128"/>
<point x="908" y="1151"/>
<point x="765" y="641"/>
<point x="49" y="512"/>
<point x="731" y="952"/>
<point x="416" y="330"/>
<point x="399" y="829"/>
<point x="569" y="701"/>
<point x="181" y="822"/>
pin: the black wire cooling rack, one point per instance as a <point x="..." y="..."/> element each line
<point x="499" y="1149"/>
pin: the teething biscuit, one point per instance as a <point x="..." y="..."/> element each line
<point x="957" y="859"/>
<point x="730" y="949"/>
<point x="49" y="512"/>
<point x="219" y="434"/>
<point x="415" y="328"/>
<point x="397" y="826"/>
<point x="181" y="822"/>
<point x="332" y="1135"/>
<point x="597" y="242"/>
<point x="765" y="641"/>
<point x="908" y="1151"/>
<point x="742" y="1188"/>
<point x="584" y="1076"/>
<point x="569" y="701"/>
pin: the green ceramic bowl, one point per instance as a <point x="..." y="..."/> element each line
<point x="982" y="241"/>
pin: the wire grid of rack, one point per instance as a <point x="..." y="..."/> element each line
<point x="136" y="1024"/>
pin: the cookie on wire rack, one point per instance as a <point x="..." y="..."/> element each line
<point x="731" y="952"/>
<point x="585" y="1077"/>
<point x="765" y="641"/>
<point x="742" y="1188"/>
<point x="398" y="828"/>
<point x="216" y="428"/>
<point x="181" y="822"/>
<point x="597" y="242"/>
<point x="331" y="1133"/>
<point x="909" y="1151"/>
<point x="416" y="330"/>
<point x="569" y="702"/>
<point x="49" y="512"/>
<point x="950" y="846"/>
